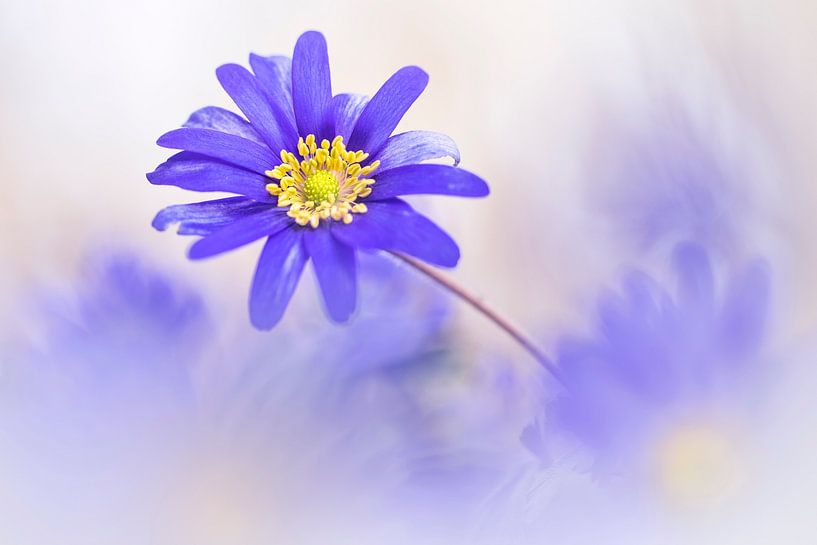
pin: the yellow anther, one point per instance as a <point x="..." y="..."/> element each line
<point x="324" y="183"/>
<point x="303" y="149"/>
<point x="365" y="171"/>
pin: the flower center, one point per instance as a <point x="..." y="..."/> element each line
<point x="699" y="464"/>
<point x="321" y="186"/>
<point x="324" y="184"/>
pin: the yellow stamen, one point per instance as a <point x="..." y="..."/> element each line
<point x="324" y="184"/>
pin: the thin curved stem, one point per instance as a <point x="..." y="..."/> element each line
<point x="486" y="311"/>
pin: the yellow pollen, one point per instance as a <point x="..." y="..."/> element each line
<point x="321" y="186"/>
<point x="699" y="464"/>
<point x="324" y="184"/>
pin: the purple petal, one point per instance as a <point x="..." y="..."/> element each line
<point x="200" y="173"/>
<point x="311" y="85"/>
<point x="275" y="75"/>
<point x="394" y="225"/>
<point x="427" y="179"/>
<point x="204" y="218"/>
<point x="413" y="147"/>
<point x="632" y="323"/>
<point x="346" y="109"/>
<point x="276" y="277"/>
<point x="227" y="147"/>
<point x="219" y="119"/>
<point x="745" y="309"/>
<point x="696" y="282"/>
<point x="386" y="109"/>
<point x="267" y="117"/>
<point x="241" y="232"/>
<point x="336" y="269"/>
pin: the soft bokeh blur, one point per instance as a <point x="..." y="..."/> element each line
<point x="139" y="406"/>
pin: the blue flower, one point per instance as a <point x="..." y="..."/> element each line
<point x="665" y="368"/>
<point x="319" y="175"/>
<point x="666" y="176"/>
<point x="125" y="342"/>
<point x="129" y="405"/>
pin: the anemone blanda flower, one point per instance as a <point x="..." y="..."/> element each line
<point x="127" y="389"/>
<point x="668" y="377"/>
<point x="319" y="175"/>
<point x="672" y="173"/>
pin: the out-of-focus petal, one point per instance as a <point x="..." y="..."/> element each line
<point x="696" y="282"/>
<point x="745" y="309"/>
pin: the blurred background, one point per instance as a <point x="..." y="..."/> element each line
<point x="651" y="224"/>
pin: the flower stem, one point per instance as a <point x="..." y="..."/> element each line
<point x="486" y="311"/>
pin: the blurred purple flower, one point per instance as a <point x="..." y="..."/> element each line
<point x="658" y="357"/>
<point x="89" y="402"/>
<point x="425" y="462"/>
<point x="667" y="177"/>
<point x="126" y="334"/>
<point x="130" y="409"/>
